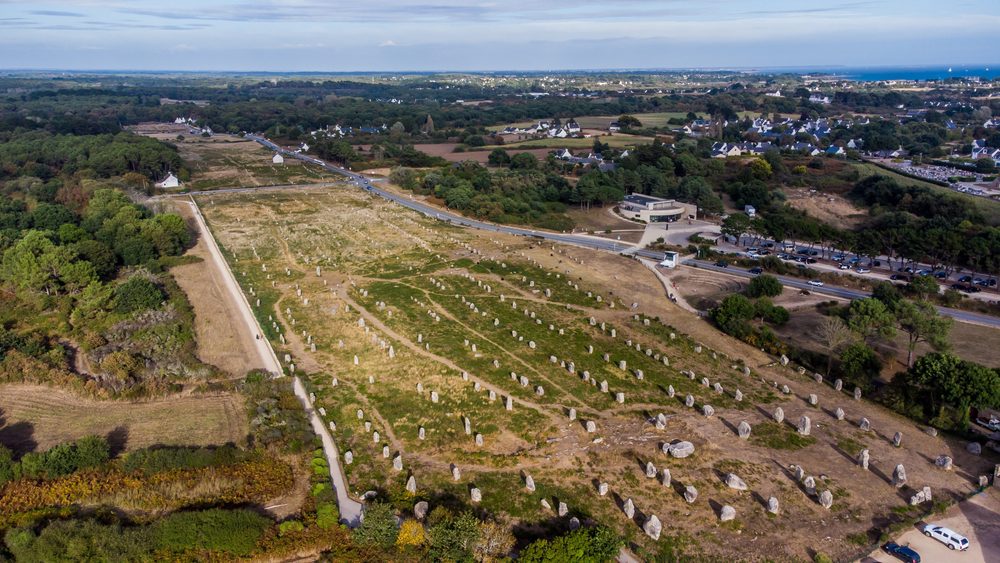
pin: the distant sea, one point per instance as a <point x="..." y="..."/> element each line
<point x="871" y="74"/>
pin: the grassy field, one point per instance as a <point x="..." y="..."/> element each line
<point x="34" y="417"/>
<point x="415" y="323"/>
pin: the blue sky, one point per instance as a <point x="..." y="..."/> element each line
<point x="377" y="35"/>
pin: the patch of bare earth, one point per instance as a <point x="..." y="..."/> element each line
<point x="224" y="341"/>
<point x="829" y="208"/>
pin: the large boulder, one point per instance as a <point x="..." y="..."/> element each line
<point x="734" y="482"/>
<point x="727" y="513"/>
<point x="679" y="449"/>
<point x="652" y="527"/>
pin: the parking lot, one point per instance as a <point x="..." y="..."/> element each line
<point x="978" y="519"/>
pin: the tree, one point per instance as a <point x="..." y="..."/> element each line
<point x="923" y="286"/>
<point x="37" y="264"/>
<point x="137" y="294"/>
<point x="944" y="379"/>
<point x="524" y="161"/>
<point x="870" y="318"/>
<point x="986" y="166"/>
<point x="922" y="323"/>
<point x="888" y="294"/>
<point x="378" y="527"/>
<point x="764" y="286"/>
<point x="629" y="122"/>
<point x="834" y="335"/>
<point x="499" y="158"/>
<point x="732" y="315"/>
<point x="736" y="225"/>
<point x="860" y="363"/>
<point x="760" y="169"/>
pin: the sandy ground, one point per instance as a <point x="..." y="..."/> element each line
<point x="36" y="417"/>
<point x="978" y="519"/>
<point x="223" y="341"/>
<point x="829" y="208"/>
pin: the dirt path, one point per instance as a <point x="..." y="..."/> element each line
<point x="224" y="339"/>
<point x="350" y="509"/>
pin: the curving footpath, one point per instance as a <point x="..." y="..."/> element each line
<point x="351" y="511"/>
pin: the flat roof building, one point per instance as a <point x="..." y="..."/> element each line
<point x="651" y="209"/>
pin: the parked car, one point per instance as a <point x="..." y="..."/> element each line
<point x="901" y="552"/>
<point x="845" y="266"/>
<point x="993" y="423"/>
<point x="837" y="257"/>
<point x="816" y="283"/>
<point x="949" y="537"/>
<point x="965" y="279"/>
<point x="941" y="275"/>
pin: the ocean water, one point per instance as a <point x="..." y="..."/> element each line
<point x="869" y="74"/>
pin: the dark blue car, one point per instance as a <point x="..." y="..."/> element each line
<point x="901" y="552"/>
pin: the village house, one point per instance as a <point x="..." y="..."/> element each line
<point x="170" y="181"/>
<point x="277" y="159"/>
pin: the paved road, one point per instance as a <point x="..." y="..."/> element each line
<point x="350" y="509"/>
<point x="585" y="240"/>
<point x="843" y="292"/>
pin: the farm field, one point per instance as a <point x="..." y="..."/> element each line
<point x="228" y="161"/>
<point x="37" y="417"/>
<point x="470" y="362"/>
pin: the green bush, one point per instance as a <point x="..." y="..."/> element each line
<point x="378" y="528"/>
<point x="63" y="459"/>
<point x="290" y="527"/>
<point x="230" y="531"/>
<point x="150" y="461"/>
<point x="591" y="544"/>
<point x="764" y="286"/>
<point x="79" y="540"/>
<point x="137" y="294"/>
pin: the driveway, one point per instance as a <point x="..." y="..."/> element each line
<point x="977" y="519"/>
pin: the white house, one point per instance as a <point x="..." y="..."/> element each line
<point x="278" y="159"/>
<point x="170" y="181"/>
<point x="775" y="94"/>
<point x="819" y="99"/>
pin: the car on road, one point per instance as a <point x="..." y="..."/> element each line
<point x="862" y="270"/>
<point x="722" y="264"/>
<point x="899" y="277"/>
<point x="845" y="266"/>
<point x="816" y="283"/>
<point x="947" y="536"/>
<point x="901" y="552"/>
<point x="756" y="271"/>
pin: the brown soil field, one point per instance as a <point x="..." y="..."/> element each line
<point x="229" y="161"/>
<point x="36" y="417"/>
<point x="829" y="208"/>
<point x="223" y="339"/>
<point x="446" y="151"/>
<point x="393" y="302"/>
<point x="599" y="219"/>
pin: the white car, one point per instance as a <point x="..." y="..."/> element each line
<point x="949" y="537"/>
<point x="816" y="283"/>
<point x="862" y="270"/>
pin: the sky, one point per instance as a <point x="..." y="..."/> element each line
<point x="419" y="35"/>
